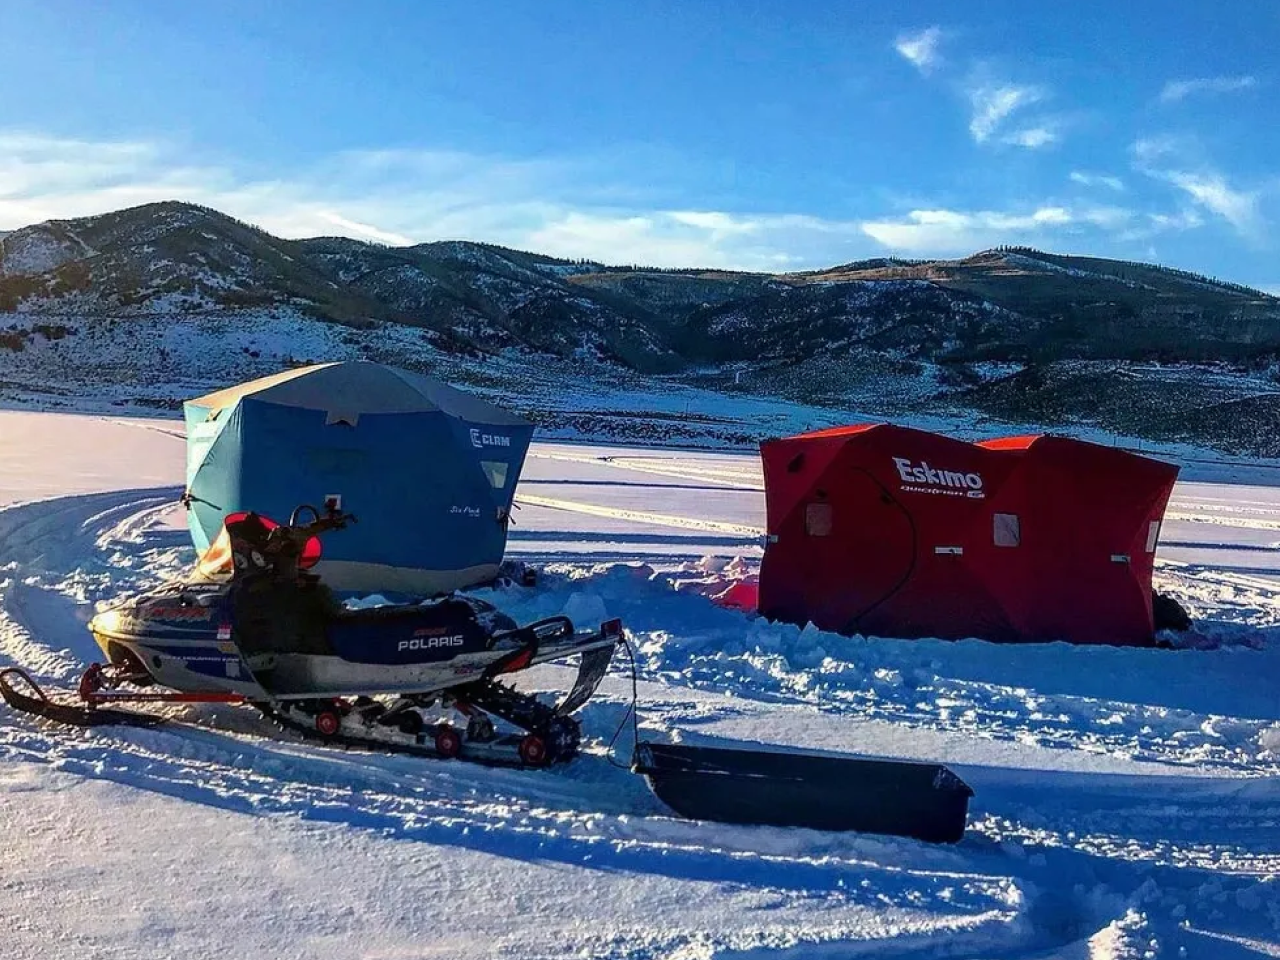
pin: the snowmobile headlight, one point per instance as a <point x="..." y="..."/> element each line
<point x="106" y="622"/>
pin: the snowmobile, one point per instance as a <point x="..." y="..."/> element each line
<point x="252" y="624"/>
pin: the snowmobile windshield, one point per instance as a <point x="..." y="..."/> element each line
<point x="243" y="532"/>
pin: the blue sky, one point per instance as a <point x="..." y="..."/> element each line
<point x="746" y="134"/>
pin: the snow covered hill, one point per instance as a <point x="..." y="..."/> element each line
<point x="1126" y="800"/>
<point x="1015" y="334"/>
<point x="176" y="259"/>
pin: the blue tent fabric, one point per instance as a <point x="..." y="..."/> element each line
<point x="429" y="471"/>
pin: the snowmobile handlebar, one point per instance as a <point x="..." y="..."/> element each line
<point x="332" y="519"/>
<point x="291" y="538"/>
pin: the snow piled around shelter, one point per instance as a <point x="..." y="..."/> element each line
<point x="1130" y="703"/>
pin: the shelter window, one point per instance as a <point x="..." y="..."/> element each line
<point x="1153" y="534"/>
<point x="817" y="519"/>
<point x="496" y="471"/>
<point x="336" y="460"/>
<point x="1006" y="530"/>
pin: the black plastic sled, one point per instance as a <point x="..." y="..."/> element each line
<point x="900" y="797"/>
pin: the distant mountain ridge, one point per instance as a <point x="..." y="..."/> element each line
<point x="1005" y="304"/>
<point x="1011" y="332"/>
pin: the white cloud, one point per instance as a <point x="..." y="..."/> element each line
<point x="564" y="208"/>
<point x="1032" y="137"/>
<point x="45" y="177"/>
<point x="921" y="49"/>
<point x="364" y="231"/>
<point x="1211" y="191"/>
<point x="1051" y="215"/>
<point x="991" y="100"/>
<point x="649" y="240"/>
<point x="1148" y="150"/>
<point x="953" y="231"/>
<point x="1173" y="161"/>
<point x="1108" y="218"/>
<point x="1177" y="90"/>
<point x="1149" y="225"/>
<point x="942" y="232"/>
<point x="1185" y="220"/>
<point x="569" y="209"/>
<point x="993" y="103"/>
<point x="721" y="223"/>
<point x="712" y="239"/>
<point x="1096" y="180"/>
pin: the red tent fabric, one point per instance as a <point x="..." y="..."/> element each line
<point x="898" y="532"/>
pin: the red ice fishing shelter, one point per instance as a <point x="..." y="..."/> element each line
<point x="891" y="531"/>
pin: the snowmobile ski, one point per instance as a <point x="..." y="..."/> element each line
<point x="40" y="704"/>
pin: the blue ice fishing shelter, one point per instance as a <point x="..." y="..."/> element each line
<point x="429" y="471"/>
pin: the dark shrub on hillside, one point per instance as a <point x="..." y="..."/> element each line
<point x="52" y="331"/>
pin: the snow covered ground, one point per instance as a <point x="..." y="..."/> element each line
<point x="1127" y="801"/>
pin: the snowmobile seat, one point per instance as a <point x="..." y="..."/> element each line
<point x="414" y="633"/>
<point x="397" y="611"/>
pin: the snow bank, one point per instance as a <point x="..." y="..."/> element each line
<point x="1212" y="708"/>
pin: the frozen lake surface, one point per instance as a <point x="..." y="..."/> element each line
<point x="1127" y="801"/>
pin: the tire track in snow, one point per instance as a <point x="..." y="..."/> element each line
<point x="528" y="816"/>
<point x="266" y="778"/>
<point x="729" y="478"/>
<point x="1247" y="521"/>
<point x="179" y="433"/>
<point x="55" y="540"/>
<point x="62" y="531"/>
<point x="640" y="516"/>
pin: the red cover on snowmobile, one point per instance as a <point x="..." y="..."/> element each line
<point x="898" y="532"/>
<point x="218" y="562"/>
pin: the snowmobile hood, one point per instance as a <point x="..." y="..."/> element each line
<point x="174" y="611"/>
